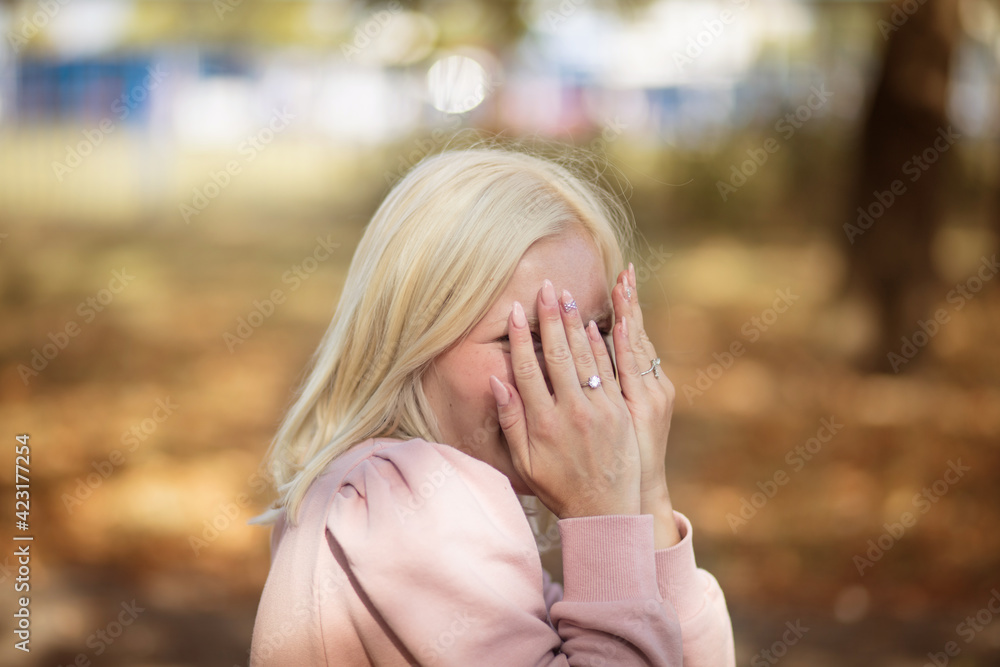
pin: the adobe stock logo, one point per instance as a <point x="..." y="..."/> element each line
<point x="369" y="32"/>
<point x="797" y="457"/>
<point x="967" y="630"/>
<point x="249" y="149"/>
<point x="94" y="137"/>
<point x="295" y="276"/>
<point x="711" y="32"/>
<point x="60" y="338"/>
<point x="103" y="468"/>
<point x="929" y="496"/>
<point x="915" y="167"/>
<point x="928" y="329"/>
<point x="901" y="13"/>
<point x="424" y="491"/>
<point x="786" y="126"/>
<point x="779" y="649"/>
<point x="752" y="329"/>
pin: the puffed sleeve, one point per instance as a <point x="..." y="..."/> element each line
<point x="438" y="546"/>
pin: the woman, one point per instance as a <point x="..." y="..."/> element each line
<point x="477" y="354"/>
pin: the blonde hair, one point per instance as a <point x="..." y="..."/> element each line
<point x="436" y="255"/>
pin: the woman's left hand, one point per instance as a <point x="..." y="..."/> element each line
<point x="649" y="397"/>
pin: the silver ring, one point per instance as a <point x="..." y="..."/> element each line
<point x="593" y="382"/>
<point x="653" y="366"/>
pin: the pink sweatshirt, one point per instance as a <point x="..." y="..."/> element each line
<point x="412" y="552"/>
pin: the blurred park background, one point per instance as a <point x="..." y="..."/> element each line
<point x="182" y="185"/>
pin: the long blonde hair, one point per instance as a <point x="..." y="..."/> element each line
<point x="436" y="255"/>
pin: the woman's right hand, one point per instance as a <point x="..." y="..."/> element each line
<point x="576" y="448"/>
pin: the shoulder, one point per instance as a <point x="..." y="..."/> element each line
<point x="419" y="491"/>
<point x="436" y="542"/>
<point x="425" y="513"/>
<point x="413" y="468"/>
<point x="420" y="462"/>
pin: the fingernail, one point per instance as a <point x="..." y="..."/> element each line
<point x="628" y="290"/>
<point x="548" y="293"/>
<point x="624" y="327"/>
<point x="568" y="302"/>
<point x="500" y="392"/>
<point x="592" y="331"/>
<point x="520" y="321"/>
<point x="631" y="271"/>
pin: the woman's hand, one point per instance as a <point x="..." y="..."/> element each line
<point x="650" y="400"/>
<point x="576" y="448"/>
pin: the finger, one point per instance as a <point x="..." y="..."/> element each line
<point x="579" y="342"/>
<point x="621" y="308"/>
<point x="628" y="367"/>
<point x="605" y="364"/>
<point x="527" y="373"/>
<point x="621" y="297"/>
<point x="634" y="314"/>
<point x="634" y="301"/>
<point x="627" y="306"/>
<point x="511" y="417"/>
<point x="558" y="357"/>
<point x="638" y="319"/>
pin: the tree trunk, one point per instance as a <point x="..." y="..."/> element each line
<point x="901" y="173"/>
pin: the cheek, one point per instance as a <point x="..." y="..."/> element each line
<point x="468" y="386"/>
<point x="507" y="366"/>
<point x="471" y="407"/>
<point x="482" y="406"/>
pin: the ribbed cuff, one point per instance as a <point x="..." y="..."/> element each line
<point x="677" y="573"/>
<point x="607" y="558"/>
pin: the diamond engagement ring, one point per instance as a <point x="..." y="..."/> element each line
<point x="653" y="366"/>
<point x="594" y="382"/>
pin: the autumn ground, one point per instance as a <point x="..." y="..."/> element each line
<point x="767" y="406"/>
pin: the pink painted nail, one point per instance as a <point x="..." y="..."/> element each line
<point x="592" y="331"/>
<point x="520" y="321"/>
<point x="568" y="302"/>
<point x="500" y="392"/>
<point x="548" y="293"/>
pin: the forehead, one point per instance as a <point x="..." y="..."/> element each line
<point x="571" y="261"/>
